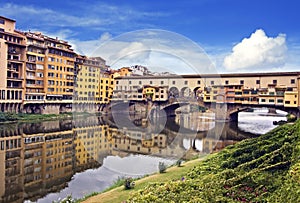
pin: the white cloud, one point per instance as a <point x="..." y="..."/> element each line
<point x="98" y="16"/>
<point x="49" y="17"/>
<point x="257" y="52"/>
<point x="158" y="50"/>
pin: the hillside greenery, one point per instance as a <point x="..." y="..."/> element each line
<point x="263" y="169"/>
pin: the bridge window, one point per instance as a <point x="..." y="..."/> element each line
<point x="274" y="81"/>
<point x="199" y="82"/>
<point x="226" y="82"/>
<point x="140" y="82"/>
<point x="292" y="81"/>
<point x="186" y="82"/>
<point x="150" y="82"/>
<point x="173" y="82"/>
<point x="161" y="82"/>
<point x="257" y="82"/>
<point x="129" y="82"/>
<point x="212" y="82"/>
<point x="241" y="82"/>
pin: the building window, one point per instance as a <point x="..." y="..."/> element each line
<point x="212" y="82"/>
<point x="2" y="21"/>
<point x="271" y="100"/>
<point x="292" y="81"/>
<point x="226" y="82"/>
<point x="280" y="101"/>
<point x="287" y="102"/>
<point x="258" y="82"/>
<point x="263" y="100"/>
<point x="295" y="102"/>
<point x="274" y="81"/>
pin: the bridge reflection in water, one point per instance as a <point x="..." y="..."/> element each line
<point x="41" y="158"/>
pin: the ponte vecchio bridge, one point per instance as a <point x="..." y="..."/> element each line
<point x="224" y="94"/>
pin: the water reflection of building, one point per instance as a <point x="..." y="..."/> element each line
<point x="92" y="146"/>
<point x="11" y="167"/>
<point x="48" y="162"/>
<point x="196" y="121"/>
<point x="136" y="141"/>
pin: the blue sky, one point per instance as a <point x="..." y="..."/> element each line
<point x="219" y="26"/>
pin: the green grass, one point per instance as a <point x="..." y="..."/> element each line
<point x="263" y="169"/>
<point x="118" y="193"/>
<point x="22" y="117"/>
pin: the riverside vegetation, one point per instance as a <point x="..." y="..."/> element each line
<point x="263" y="169"/>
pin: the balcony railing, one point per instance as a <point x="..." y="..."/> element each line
<point x="30" y="77"/>
<point x="37" y="45"/>
<point x="14" y="78"/>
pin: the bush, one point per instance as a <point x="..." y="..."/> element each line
<point x="162" y="167"/>
<point x="178" y="162"/>
<point x="129" y="183"/>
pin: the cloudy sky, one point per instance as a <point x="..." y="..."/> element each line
<point x="238" y="36"/>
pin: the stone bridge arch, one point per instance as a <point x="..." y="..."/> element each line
<point x="186" y="92"/>
<point x="173" y="92"/>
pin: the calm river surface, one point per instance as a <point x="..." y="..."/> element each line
<point x="46" y="161"/>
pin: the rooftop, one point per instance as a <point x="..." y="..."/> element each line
<point x="271" y="74"/>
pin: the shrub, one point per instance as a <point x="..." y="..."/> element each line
<point x="129" y="183"/>
<point x="178" y="162"/>
<point x="162" y="167"/>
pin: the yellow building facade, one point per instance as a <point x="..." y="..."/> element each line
<point x="89" y="71"/>
<point x="59" y="74"/>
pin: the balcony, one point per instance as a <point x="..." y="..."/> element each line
<point x="14" y="78"/>
<point x="15" y="58"/>
<point x="32" y="77"/>
<point x="37" y="45"/>
<point x="13" y="69"/>
<point x="30" y="69"/>
<point x="15" y="86"/>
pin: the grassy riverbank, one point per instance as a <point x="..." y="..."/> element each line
<point x="22" y="117"/>
<point x="263" y="169"/>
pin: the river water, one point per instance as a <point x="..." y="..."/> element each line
<point x="46" y="161"/>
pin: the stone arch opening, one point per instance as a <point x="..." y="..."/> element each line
<point x="173" y="92"/>
<point x="37" y="110"/>
<point x="198" y="93"/>
<point x="186" y="92"/>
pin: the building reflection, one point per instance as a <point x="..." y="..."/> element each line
<point x="39" y="158"/>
